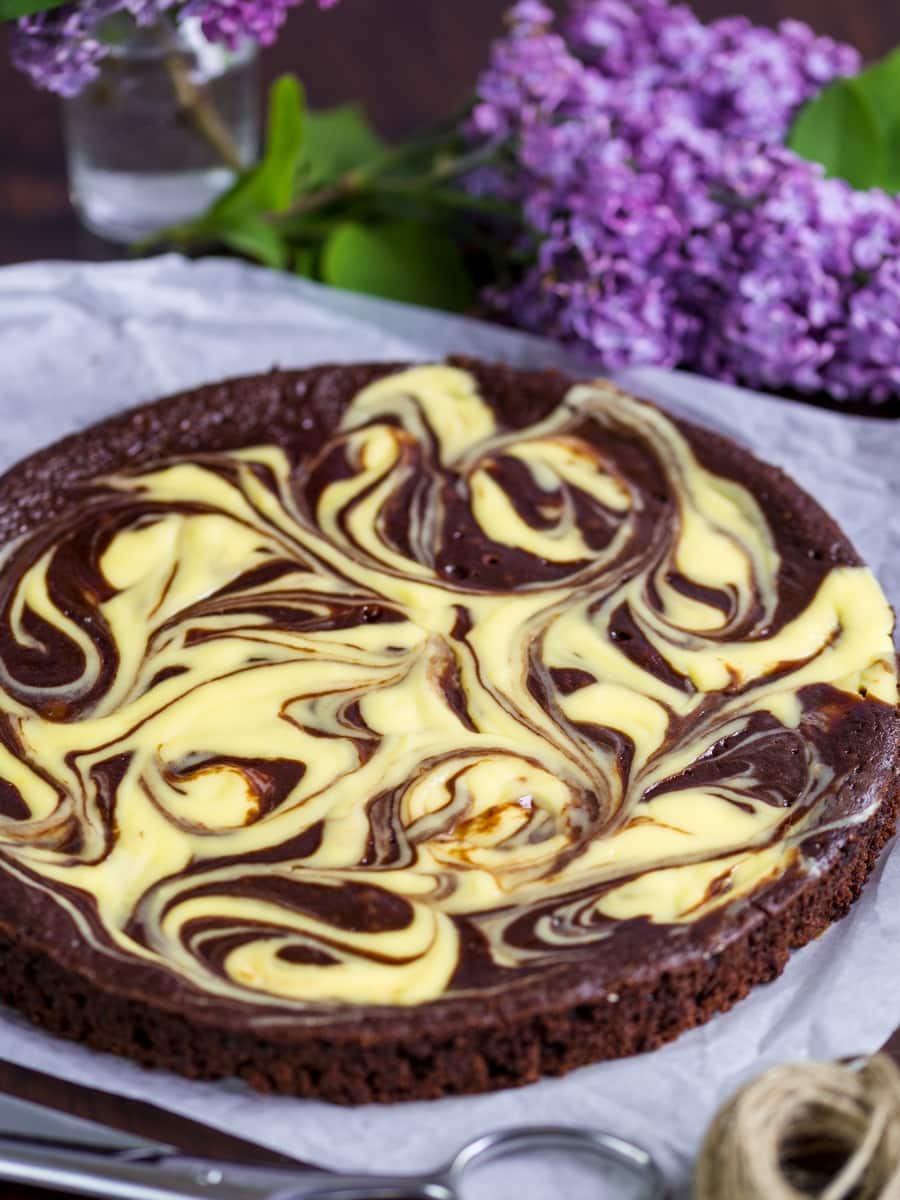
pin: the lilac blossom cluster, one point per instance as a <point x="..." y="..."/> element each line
<point x="61" y="49"/>
<point x="669" y="223"/>
<point x="237" y="21"/>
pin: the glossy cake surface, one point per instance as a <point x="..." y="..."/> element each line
<point x="443" y="707"/>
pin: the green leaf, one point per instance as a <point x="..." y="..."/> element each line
<point x="398" y="260"/>
<point x="853" y="127"/>
<point x="338" y="140"/>
<point x="269" y="186"/>
<point x="255" y="238"/>
<point x="304" y="262"/>
<point x="880" y="85"/>
<point x="840" y="131"/>
<point x="11" y="10"/>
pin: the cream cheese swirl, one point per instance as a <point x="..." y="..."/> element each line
<point x="313" y="725"/>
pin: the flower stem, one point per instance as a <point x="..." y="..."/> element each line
<point x="195" y="104"/>
<point x="370" y="178"/>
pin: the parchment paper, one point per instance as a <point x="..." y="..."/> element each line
<point x="80" y="341"/>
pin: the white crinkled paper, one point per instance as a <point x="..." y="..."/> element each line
<point x="78" y="342"/>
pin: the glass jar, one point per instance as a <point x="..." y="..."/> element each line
<point x="161" y="131"/>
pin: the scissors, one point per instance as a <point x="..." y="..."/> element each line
<point x="44" y="1148"/>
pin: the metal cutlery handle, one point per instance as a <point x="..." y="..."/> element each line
<point x="139" y="1175"/>
<point x="143" y="1175"/>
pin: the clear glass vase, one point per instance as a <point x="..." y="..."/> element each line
<point x="161" y="131"/>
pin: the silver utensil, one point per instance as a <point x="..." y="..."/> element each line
<point x="44" y="1148"/>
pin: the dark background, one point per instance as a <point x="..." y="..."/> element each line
<point x="408" y="61"/>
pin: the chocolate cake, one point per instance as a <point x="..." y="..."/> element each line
<point x="380" y="732"/>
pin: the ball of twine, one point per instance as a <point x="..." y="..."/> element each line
<point x="808" y="1129"/>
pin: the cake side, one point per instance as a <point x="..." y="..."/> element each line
<point x="458" y="1056"/>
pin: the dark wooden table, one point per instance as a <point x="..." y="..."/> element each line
<point x="408" y="61"/>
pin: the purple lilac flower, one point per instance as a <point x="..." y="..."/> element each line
<point x="61" y="50"/>
<point x="668" y="222"/>
<point x="236" y="21"/>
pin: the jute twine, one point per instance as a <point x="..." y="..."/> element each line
<point x="810" y="1129"/>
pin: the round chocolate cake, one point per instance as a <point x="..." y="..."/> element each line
<point x="381" y="732"/>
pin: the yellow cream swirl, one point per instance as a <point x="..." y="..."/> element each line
<point x="320" y="717"/>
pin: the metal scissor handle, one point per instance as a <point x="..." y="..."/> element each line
<point x="603" y="1150"/>
<point x="162" y="1175"/>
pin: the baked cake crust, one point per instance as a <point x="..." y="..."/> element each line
<point x="622" y="995"/>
